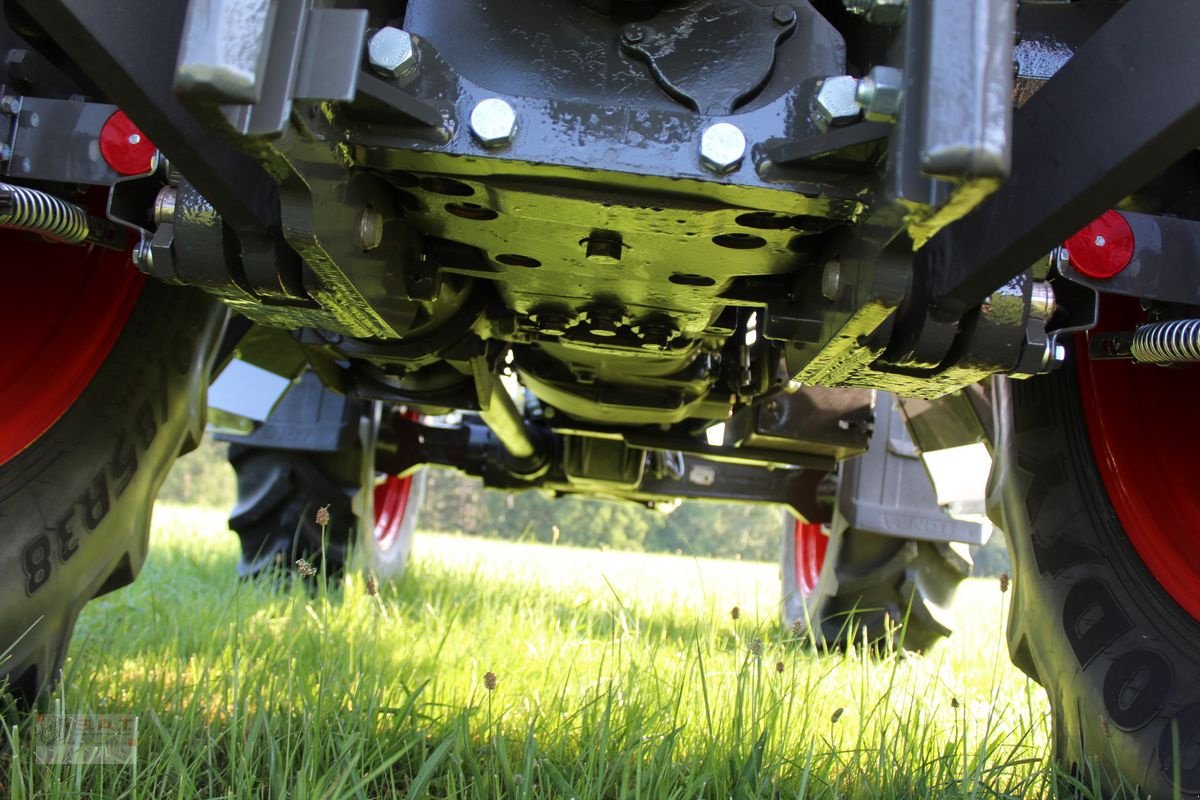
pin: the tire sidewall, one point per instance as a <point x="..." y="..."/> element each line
<point x="1119" y="658"/>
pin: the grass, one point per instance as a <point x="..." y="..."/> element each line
<point x="617" y="675"/>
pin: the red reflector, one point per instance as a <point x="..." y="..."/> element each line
<point x="124" y="147"/>
<point x="1103" y="248"/>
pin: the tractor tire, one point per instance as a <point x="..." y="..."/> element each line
<point x="123" y="365"/>
<point x="845" y="587"/>
<point x="1094" y="484"/>
<point x="280" y="491"/>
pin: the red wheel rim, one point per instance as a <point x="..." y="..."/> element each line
<point x="811" y="544"/>
<point x="67" y="306"/>
<point x="1145" y="447"/>
<point x="391" y="504"/>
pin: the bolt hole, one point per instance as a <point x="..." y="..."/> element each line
<point x="446" y="186"/>
<point x="739" y="241"/>
<point x="765" y="221"/>
<point x="690" y="279"/>
<point x="515" y="260"/>
<point x="405" y="180"/>
<point x="471" y="211"/>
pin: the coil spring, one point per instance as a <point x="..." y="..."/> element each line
<point x="31" y="210"/>
<point x="1167" y="342"/>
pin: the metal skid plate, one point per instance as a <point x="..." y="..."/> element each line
<point x="887" y="490"/>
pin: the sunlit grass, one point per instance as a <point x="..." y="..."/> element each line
<point x="618" y="675"/>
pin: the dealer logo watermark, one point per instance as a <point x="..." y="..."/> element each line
<point x="86" y="738"/>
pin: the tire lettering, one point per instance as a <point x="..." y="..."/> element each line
<point x="1182" y="735"/>
<point x="145" y="425"/>
<point x="1092" y="619"/>
<point x="123" y="465"/>
<point x="1135" y="687"/>
<point x="35" y="558"/>
<point x="94" y="501"/>
<point x="68" y="543"/>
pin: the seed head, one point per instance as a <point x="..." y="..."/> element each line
<point x="372" y="586"/>
<point x="305" y="569"/>
<point x="954" y="702"/>
<point x="837" y="714"/>
<point x="489" y="681"/>
<point x="755" y="647"/>
<point x="1104" y="727"/>
<point x="322" y="516"/>
<point x="1004" y="582"/>
<point x="798" y="628"/>
<point x="735" y="613"/>
<point x="779" y="666"/>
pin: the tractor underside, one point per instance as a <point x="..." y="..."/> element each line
<point x="694" y="233"/>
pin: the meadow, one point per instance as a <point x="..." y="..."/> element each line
<point x="497" y="669"/>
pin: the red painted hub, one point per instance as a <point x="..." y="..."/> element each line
<point x="811" y="544"/>
<point x="65" y="307"/>
<point x="391" y="505"/>
<point x="1146" y="447"/>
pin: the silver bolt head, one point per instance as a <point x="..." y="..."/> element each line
<point x="370" y="229"/>
<point x="391" y="52"/>
<point x="836" y="103"/>
<point x="880" y="93"/>
<point x="10" y="104"/>
<point x="831" y="280"/>
<point x="722" y="147"/>
<point x="493" y="122"/>
<point x="164" y="206"/>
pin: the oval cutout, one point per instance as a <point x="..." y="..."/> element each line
<point x="690" y="279"/>
<point x="446" y="186"/>
<point x="764" y="221"/>
<point x="739" y="241"/>
<point x="471" y="211"/>
<point x="517" y="260"/>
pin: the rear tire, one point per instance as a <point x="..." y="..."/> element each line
<point x="280" y="491"/>
<point x="75" y="503"/>
<point x="858" y="585"/>
<point x="1118" y="656"/>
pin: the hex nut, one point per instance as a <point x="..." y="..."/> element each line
<point x="493" y="122"/>
<point x="392" y="53"/>
<point x="836" y="103"/>
<point x="722" y="147"/>
<point x="880" y="93"/>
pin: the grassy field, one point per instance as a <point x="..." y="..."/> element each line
<point x="616" y="675"/>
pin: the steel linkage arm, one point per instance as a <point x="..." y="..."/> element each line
<point x="1119" y="113"/>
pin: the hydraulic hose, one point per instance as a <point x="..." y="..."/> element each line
<point x="25" y="209"/>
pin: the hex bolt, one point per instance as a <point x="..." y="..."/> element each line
<point x="164" y="206"/>
<point x="831" y="280"/>
<point x="493" y="122"/>
<point x="551" y="323"/>
<point x="656" y="335"/>
<point x="370" y="229"/>
<point x="783" y="15"/>
<point x="879" y="93"/>
<point x="633" y="33"/>
<point x="603" y="247"/>
<point x="604" y="322"/>
<point x="10" y="104"/>
<point x="722" y="147"/>
<point x="392" y="53"/>
<point x="1042" y="302"/>
<point x="836" y="102"/>
<point x="5" y="151"/>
